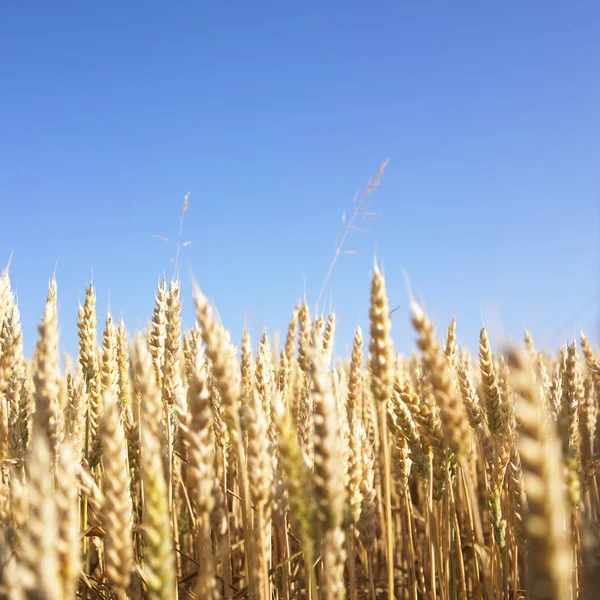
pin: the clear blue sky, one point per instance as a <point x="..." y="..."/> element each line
<point x="272" y="114"/>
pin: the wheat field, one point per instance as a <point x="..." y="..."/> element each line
<point x="170" y="464"/>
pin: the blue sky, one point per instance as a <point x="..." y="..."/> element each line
<point x="272" y="115"/>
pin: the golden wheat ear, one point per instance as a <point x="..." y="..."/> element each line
<point x="37" y="541"/>
<point x="117" y="516"/>
<point x="46" y="373"/>
<point x="159" y="563"/>
<point x="540" y="452"/>
<point x="67" y="511"/>
<point x="452" y="415"/>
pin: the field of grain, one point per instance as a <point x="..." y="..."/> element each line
<point x="180" y="464"/>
